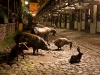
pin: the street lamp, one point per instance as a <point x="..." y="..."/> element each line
<point x="26" y="2"/>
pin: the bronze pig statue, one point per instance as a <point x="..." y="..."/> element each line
<point x="32" y="40"/>
<point x="17" y="50"/>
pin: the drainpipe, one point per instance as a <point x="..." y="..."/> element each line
<point x="8" y="8"/>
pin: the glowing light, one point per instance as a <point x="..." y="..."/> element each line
<point x="28" y="12"/>
<point x="26" y="2"/>
<point x="33" y="14"/>
<point x="66" y="3"/>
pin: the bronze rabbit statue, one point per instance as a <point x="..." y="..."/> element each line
<point x="76" y="58"/>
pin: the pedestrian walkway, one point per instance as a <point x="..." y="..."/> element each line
<point x="55" y="62"/>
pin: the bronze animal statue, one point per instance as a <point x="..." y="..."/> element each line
<point x="60" y="42"/>
<point x="76" y="58"/>
<point x="17" y="50"/>
<point x="34" y="41"/>
<point x="43" y="32"/>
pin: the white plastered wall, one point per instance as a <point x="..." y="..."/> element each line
<point x="67" y="25"/>
<point x="83" y="25"/>
<point x="62" y="25"/>
<point x="98" y="26"/>
<point x="75" y="25"/>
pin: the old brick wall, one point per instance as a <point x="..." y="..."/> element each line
<point x="6" y="30"/>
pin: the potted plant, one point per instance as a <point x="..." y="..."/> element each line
<point x="3" y="18"/>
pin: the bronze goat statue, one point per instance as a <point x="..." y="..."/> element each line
<point x="43" y="32"/>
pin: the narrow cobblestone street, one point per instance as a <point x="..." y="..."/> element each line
<point x="56" y="62"/>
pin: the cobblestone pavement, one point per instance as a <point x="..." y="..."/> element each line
<point x="56" y="62"/>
